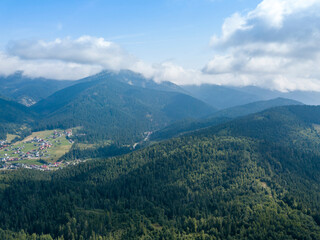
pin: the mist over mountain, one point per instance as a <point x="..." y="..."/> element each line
<point x="28" y="91"/>
<point x="136" y="79"/>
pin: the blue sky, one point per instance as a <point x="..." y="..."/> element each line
<point x="227" y="42"/>
<point x="154" y="31"/>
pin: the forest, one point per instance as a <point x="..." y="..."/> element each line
<point x="230" y="181"/>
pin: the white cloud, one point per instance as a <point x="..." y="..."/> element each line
<point x="59" y="70"/>
<point x="64" y="58"/>
<point x="169" y="71"/>
<point x="274" y="46"/>
<point x="77" y="58"/>
<point x="53" y="69"/>
<point x="84" y="50"/>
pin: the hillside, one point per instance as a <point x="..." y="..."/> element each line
<point x="12" y="117"/>
<point x="289" y="125"/>
<point x="12" y="112"/>
<point x="223" y="183"/>
<point x="219" y="117"/>
<point x="254" y="107"/>
<point x="107" y="108"/>
<point x="307" y="97"/>
<point x="28" y="91"/>
<point x="221" y="97"/>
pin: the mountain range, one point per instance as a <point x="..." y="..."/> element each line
<point x="180" y="163"/>
<point x="222" y="97"/>
<point x="119" y="107"/>
<point x="220" y="117"/>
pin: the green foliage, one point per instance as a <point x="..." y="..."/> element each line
<point x="290" y="126"/>
<point x="193" y="187"/>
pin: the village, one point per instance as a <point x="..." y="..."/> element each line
<point x="39" y="151"/>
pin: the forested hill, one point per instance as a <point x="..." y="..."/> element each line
<point x="221" y="97"/>
<point x="297" y="125"/>
<point x="108" y="108"/>
<point x="227" y="182"/>
<point x="12" y="112"/>
<point x="253" y="107"/>
<point x="12" y="116"/>
<point x="220" y="117"/>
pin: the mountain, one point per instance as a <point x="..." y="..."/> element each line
<point x="12" y="117"/>
<point x="219" y="117"/>
<point x="28" y="91"/>
<point x="221" y="97"/>
<point x="136" y="79"/>
<point x="254" y="107"/>
<point x="289" y="125"/>
<point x="108" y="107"/>
<point x="245" y="179"/>
<point x="12" y="112"/>
<point x="307" y="97"/>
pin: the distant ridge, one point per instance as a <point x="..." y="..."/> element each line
<point x="135" y="79"/>
<point x="27" y="90"/>
<point x="222" y="97"/>
<point x="220" y="117"/>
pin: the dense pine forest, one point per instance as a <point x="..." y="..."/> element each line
<point x="231" y="181"/>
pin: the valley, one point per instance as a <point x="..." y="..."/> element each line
<point x="40" y="150"/>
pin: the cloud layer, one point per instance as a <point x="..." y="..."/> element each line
<point x="274" y="46"/>
<point x="53" y="69"/>
<point x="77" y="58"/>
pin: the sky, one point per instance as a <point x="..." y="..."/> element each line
<point x="267" y="43"/>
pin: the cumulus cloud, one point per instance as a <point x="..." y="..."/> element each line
<point x="64" y="58"/>
<point x="84" y="50"/>
<point x="276" y="46"/>
<point x="53" y="69"/>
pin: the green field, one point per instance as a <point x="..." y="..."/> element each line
<point x="10" y="137"/>
<point x="29" y="151"/>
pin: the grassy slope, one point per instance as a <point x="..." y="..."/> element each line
<point x="55" y="152"/>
